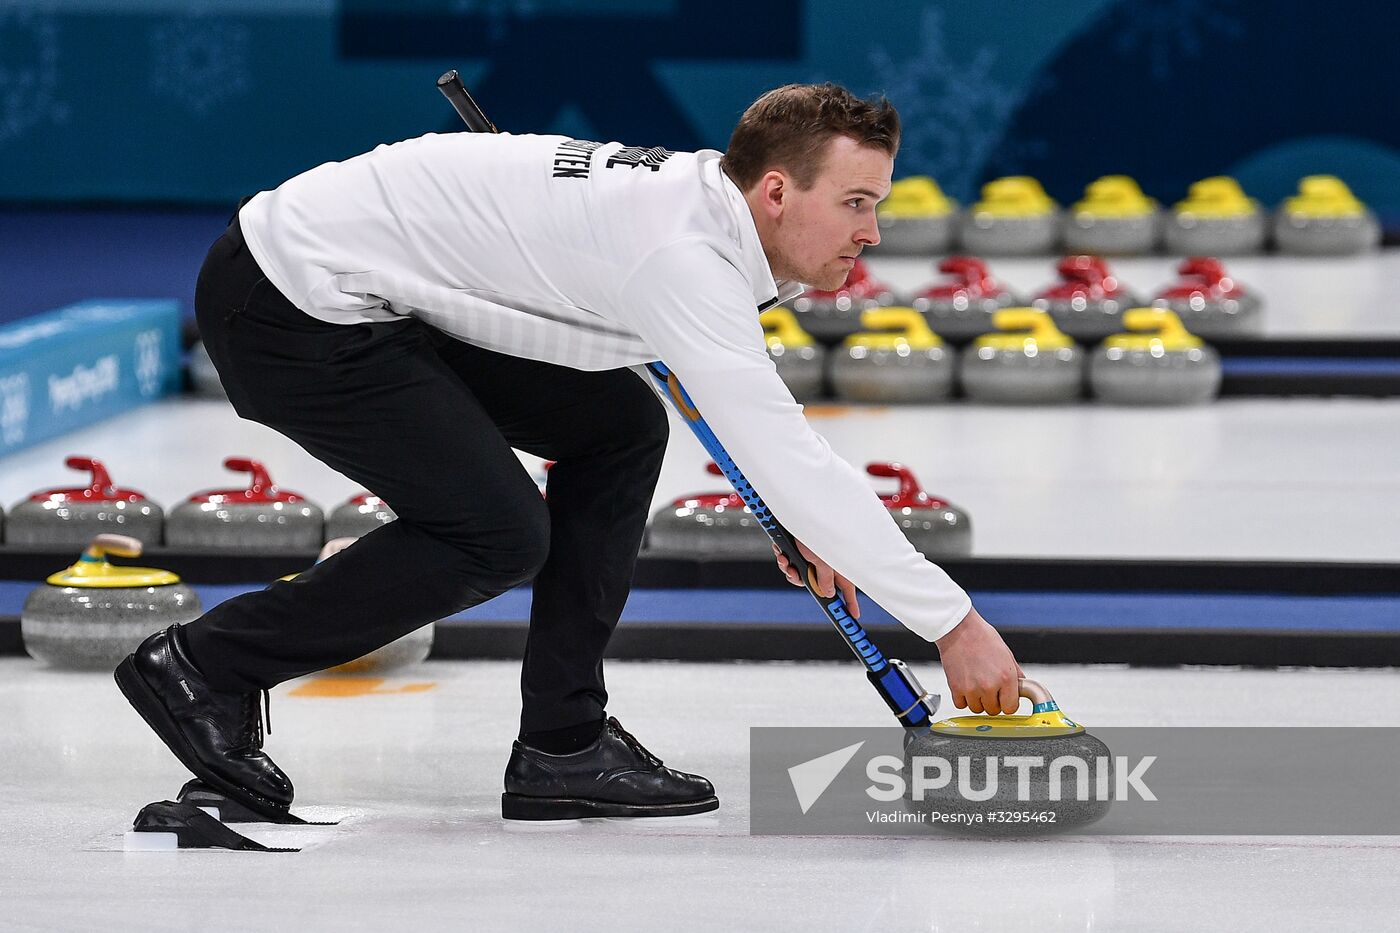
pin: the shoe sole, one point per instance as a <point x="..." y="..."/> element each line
<point x="521" y="807"/>
<point x="147" y="703"/>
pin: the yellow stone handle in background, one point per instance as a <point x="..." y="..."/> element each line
<point x="886" y="328"/>
<point x="780" y="324"/>
<point x="1036" y="323"/>
<point x="916" y="196"/>
<point x="1149" y="326"/>
<point x="120" y="545"/>
<point x="1161" y="321"/>
<point x="1019" y="328"/>
<point x="1217" y="196"/>
<point x="1014" y="196"/>
<point x="1324" y="196"/>
<point x="1115" y="196"/>
<point x="93" y="570"/>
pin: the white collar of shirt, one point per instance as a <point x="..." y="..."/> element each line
<point x="767" y="291"/>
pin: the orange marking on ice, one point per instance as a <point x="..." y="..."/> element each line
<point x="353" y="687"/>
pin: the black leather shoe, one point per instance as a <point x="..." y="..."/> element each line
<point x="615" y="776"/>
<point x="216" y="734"/>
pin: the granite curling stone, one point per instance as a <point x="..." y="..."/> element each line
<point x="1325" y="219"/>
<point x="404" y="651"/>
<point x="260" y="516"/>
<point x="1210" y="302"/>
<point x="935" y="527"/>
<point x="1030" y="362"/>
<point x="708" y="525"/>
<point x="92" y="615"/>
<point x="358" y="515"/>
<point x="1159" y="363"/>
<point x="896" y="358"/>
<point x="962" y="308"/>
<point x="916" y="219"/>
<point x="800" y="360"/>
<point x="1088" y="301"/>
<point x="1216" y="218"/>
<point x="1039" y="774"/>
<point x="70" y="517"/>
<point x="832" y="316"/>
<point x="1014" y="218"/>
<point x="1114" y="218"/>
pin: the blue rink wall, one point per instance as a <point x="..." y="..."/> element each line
<point x="148" y="100"/>
<point x="81" y="364"/>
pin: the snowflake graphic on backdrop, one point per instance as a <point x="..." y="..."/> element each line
<point x="953" y="112"/>
<point x="1168" y="31"/>
<point x="498" y="13"/>
<point x="14" y="408"/>
<point x="149" y="362"/>
<point x="28" y="72"/>
<point x="200" y="61"/>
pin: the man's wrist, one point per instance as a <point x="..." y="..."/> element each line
<point x="957" y="632"/>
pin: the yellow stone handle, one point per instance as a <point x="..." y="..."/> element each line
<point x="1114" y="188"/>
<point x="120" y="545"/>
<point x="1324" y="196"/>
<point x="1033" y="691"/>
<point x="1162" y="322"/>
<point x="889" y="328"/>
<point x="914" y="196"/>
<point x="93" y="570"/>
<point x="1036" y="323"/>
<point x="1045" y="711"/>
<point x="904" y="322"/>
<point x="1015" y="196"/>
<point x="781" y="324"/>
<point x="1217" y="196"/>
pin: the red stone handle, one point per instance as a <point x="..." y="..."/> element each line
<point x="101" y="479"/>
<point x="260" y="481"/>
<point x="909" y="491"/>
<point x="1209" y="269"/>
<point x="1091" y="270"/>
<point x="969" y="270"/>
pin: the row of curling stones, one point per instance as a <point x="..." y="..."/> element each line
<point x="1032" y="362"/>
<point x="1015" y="217"/>
<point x="897" y="359"/>
<point x="93" y="614"/>
<point x="1158" y="362"/>
<point x="1034" y="764"/>
<point x="720" y="525"/>
<point x="262" y="515"/>
<point x="1086" y="302"/>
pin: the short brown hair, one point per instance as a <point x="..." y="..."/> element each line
<point x="788" y="128"/>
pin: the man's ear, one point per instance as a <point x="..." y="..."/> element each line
<point x="773" y="188"/>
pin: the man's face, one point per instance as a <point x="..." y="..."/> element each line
<point x="818" y="233"/>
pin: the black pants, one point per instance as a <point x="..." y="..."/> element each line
<point x="426" y="422"/>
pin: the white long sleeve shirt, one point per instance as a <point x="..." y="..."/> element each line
<point x="593" y="257"/>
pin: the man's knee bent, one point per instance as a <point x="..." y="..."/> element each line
<point x="504" y="557"/>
